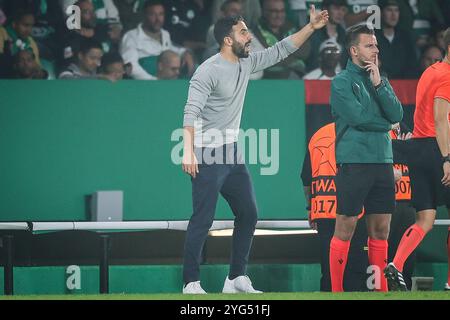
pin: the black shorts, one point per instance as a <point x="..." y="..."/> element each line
<point x="425" y="172"/>
<point x="365" y="185"/>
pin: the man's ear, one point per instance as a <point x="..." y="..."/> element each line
<point x="353" y="51"/>
<point x="228" y="41"/>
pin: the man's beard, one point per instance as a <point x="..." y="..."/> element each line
<point x="239" y="50"/>
<point x="89" y="24"/>
<point x="362" y="61"/>
<point x="154" y="28"/>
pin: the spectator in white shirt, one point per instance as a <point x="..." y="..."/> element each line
<point x="329" y="57"/>
<point x="142" y="46"/>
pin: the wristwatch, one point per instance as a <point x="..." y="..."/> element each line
<point x="446" y="158"/>
<point x="380" y="84"/>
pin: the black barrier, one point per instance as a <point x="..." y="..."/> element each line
<point x="9" y="264"/>
<point x="104" y="263"/>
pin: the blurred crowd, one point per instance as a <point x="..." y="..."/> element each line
<point x="151" y="39"/>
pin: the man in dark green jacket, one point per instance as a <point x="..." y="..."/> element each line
<point x="365" y="109"/>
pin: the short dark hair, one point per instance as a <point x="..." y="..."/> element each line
<point x="19" y="14"/>
<point x="111" y="58"/>
<point x="79" y="2"/>
<point x="447" y="41"/>
<point x="226" y="3"/>
<point x="264" y="3"/>
<point x="386" y="3"/>
<point x="338" y="3"/>
<point x="151" y="3"/>
<point x="352" y="35"/>
<point x="87" y="44"/>
<point x="223" y="27"/>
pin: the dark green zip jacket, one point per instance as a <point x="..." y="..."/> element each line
<point x="364" y="116"/>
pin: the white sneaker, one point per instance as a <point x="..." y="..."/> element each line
<point x="241" y="284"/>
<point x="447" y="287"/>
<point x="193" y="288"/>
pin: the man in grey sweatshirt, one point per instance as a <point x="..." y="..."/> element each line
<point x="212" y="118"/>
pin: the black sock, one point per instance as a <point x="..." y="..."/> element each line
<point x="233" y="276"/>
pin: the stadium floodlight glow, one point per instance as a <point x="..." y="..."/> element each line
<point x="261" y="232"/>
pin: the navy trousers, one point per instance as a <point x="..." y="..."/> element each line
<point x="232" y="180"/>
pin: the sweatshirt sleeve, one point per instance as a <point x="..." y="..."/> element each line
<point x="129" y="53"/>
<point x="391" y="106"/>
<point x="345" y="105"/>
<point x="270" y="56"/>
<point x="200" y="88"/>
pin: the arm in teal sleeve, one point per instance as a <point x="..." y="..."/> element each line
<point x="374" y="127"/>
<point x="391" y="106"/>
<point x="345" y="104"/>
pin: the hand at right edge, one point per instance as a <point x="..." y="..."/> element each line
<point x="446" y="179"/>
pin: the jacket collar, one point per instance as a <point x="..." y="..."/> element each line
<point x="141" y="34"/>
<point x="355" y="68"/>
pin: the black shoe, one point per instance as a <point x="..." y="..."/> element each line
<point x="394" y="278"/>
